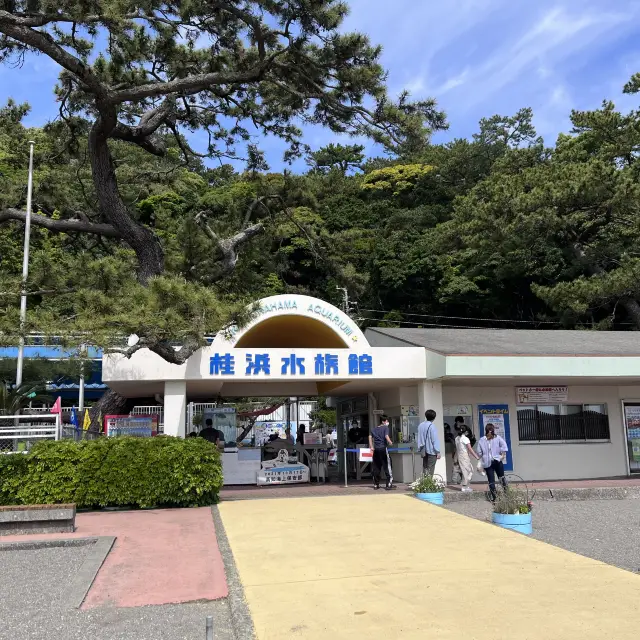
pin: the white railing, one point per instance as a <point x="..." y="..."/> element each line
<point x="19" y="436"/>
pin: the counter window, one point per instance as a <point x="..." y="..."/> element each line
<point x="563" y="422"/>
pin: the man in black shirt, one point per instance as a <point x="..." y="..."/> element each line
<point x="378" y="441"/>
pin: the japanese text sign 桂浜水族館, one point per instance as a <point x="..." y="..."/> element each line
<point x="263" y="364"/>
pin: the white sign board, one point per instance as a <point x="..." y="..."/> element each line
<point x="542" y="395"/>
<point x="464" y="410"/>
<point x="282" y="470"/>
<point x="365" y="455"/>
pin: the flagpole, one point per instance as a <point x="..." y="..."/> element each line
<point x="81" y="381"/>
<point x="25" y="268"/>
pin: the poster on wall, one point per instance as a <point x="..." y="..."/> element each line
<point x="263" y="430"/>
<point x="542" y="395"/>
<point x="632" y="416"/>
<point x="464" y="410"/>
<point x="498" y="416"/>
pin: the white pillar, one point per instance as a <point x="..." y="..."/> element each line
<point x="430" y="397"/>
<point x="175" y="408"/>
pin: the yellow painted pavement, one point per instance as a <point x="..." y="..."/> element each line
<point x="389" y="566"/>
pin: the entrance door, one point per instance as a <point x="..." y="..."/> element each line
<point x="632" y="422"/>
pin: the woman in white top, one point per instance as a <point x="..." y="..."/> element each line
<point x="463" y="451"/>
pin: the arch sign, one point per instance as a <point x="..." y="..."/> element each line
<point x="304" y="307"/>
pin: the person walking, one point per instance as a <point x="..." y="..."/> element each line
<point x="428" y="443"/>
<point x="378" y="441"/>
<point x="463" y="453"/>
<point x="493" y="451"/>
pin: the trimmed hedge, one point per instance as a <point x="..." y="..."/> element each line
<point x="111" y="472"/>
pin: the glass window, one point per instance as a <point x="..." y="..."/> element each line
<point x="571" y="409"/>
<point x="563" y="423"/>
<point x="597" y="408"/>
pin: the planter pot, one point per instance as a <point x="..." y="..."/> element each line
<point x="520" y="522"/>
<point x="434" y="498"/>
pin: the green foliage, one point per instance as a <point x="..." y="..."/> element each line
<point x="124" y="471"/>
<point x="513" y="500"/>
<point x="428" y="484"/>
<point x="396" y="180"/>
<point x="324" y="415"/>
<point x="337" y="156"/>
<point x="13" y="469"/>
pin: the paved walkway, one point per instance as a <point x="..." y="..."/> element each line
<point x="159" y="557"/>
<point x="363" y="487"/>
<point x="389" y="566"/>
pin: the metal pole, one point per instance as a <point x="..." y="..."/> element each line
<point x="81" y="381"/>
<point x="345" y="465"/>
<point x="209" y="635"/>
<point x="25" y="268"/>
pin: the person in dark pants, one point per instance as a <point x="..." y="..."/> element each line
<point x="429" y="443"/>
<point x="378" y="441"/>
<point x="493" y="451"/>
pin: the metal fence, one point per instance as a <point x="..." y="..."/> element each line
<point x="18" y="433"/>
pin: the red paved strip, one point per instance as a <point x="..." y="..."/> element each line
<point x="160" y="556"/>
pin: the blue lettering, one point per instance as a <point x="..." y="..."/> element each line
<point x="292" y="365"/>
<point x="360" y="365"/>
<point x="260" y="363"/>
<point x="222" y="365"/>
<point x="326" y="364"/>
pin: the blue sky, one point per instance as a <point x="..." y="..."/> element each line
<point x="476" y="57"/>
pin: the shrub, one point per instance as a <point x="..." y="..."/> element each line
<point x="12" y="470"/>
<point x="123" y="471"/>
<point x="427" y="484"/>
<point x="512" y="500"/>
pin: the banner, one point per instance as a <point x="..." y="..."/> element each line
<point x="285" y="469"/>
<point x="542" y="395"/>
<point x="498" y="416"/>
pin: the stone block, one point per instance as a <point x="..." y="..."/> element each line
<point x="37" y="519"/>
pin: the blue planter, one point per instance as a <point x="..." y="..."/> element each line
<point x="520" y="522"/>
<point x="434" y="498"/>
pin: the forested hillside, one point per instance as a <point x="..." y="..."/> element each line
<point x="499" y="231"/>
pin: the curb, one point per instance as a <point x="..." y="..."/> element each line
<point x="77" y="591"/>
<point x="241" y="620"/>
<point x="559" y="494"/>
<point x="89" y="570"/>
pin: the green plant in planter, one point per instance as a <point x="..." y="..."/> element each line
<point x="427" y="484"/>
<point x="512" y="501"/>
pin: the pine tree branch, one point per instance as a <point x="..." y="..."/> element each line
<point x="193" y="84"/>
<point x="164" y="349"/>
<point x="61" y="226"/>
<point x="227" y="246"/>
<point x="16" y="28"/>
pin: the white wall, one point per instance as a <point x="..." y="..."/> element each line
<point x="534" y="461"/>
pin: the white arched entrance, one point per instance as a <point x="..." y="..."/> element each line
<point x="295" y="321"/>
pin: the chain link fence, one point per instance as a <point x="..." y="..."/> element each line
<point x="18" y="433"/>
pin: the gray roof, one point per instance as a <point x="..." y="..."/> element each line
<point x="510" y="341"/>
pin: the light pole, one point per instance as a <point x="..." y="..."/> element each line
<point x="25" y="268"/>
<point x="345" y="293"/>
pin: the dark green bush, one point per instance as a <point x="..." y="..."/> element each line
<point x="13" y="468"/>
<point x="124" y="471"/>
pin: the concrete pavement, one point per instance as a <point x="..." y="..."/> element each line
<point x="382" y="566"/>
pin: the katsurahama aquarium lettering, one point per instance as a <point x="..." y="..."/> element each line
<point x="327" y="314"/>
